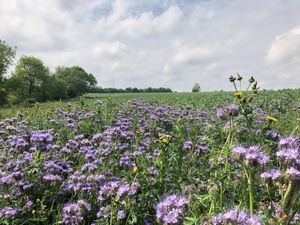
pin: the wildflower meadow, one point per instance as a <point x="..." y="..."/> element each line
<point x="197" y="158"/>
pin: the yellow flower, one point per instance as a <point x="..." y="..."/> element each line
<point x="238" y="94"/>
<point x="270" y="118"/>
<point x="165" y="140"/>
<point x="135" y="169"/>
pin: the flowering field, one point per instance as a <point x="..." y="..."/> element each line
<point x="220" y="158"/>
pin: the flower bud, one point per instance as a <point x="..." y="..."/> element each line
<point x="232" y="78"/>
<point x="239" y="78"/>
<point x="251" y="80"/>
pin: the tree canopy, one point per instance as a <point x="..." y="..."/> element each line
<point x="7" y="55"/>
<point x="196" y="87"/>
<point x="76" y="79"/>
<point x="32" y="72"/>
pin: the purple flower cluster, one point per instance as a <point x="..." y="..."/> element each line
<point x="232" y="109"/>
<point x="73" y="213"/>
<point x="289" y="153"/>
<point x="115" y="191"/>
<point x="9" y="212"/>
<point x="170" y="210"/>
<point x="293" y="174"/>
<point x="199" y="148"/>
<point x="42" y="140"/>
<point x="272" y="174"/>
<point x="289" y="150"/>
<point x="188" y="145"/>
<point x="251" y="156"/>
<point x="228" y="110"/>
<point x="235" y="216"/>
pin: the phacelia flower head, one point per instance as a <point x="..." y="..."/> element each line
<point x="235" y="216"/>
<point x="170" y="210"/>
<point x="41" y="139"/>
<point x="289" y="150"/>
<point x="251" y="156"/>
<point x="293" y="174"/>
<point x="73" y="213"/>
<point x="232" y="109"/>
<point x="9" y="212"/>
<point x="272" y="174"/>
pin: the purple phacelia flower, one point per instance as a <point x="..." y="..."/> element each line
<point x="232" y="109"/>
<point x="220" y="113"/>
<point x="121" y="214"/>
<point x="273" y="174"/>
<point x="104" y="212"/>
<point x="9" y="212"/>
<point x="187" y="145"/>
<point x="18" y="141"/>
<point x="41" y="139"/>
<point x="170" y="210"/>
<point x="251" y="156"/>
<point x="52" y="178"/>
<point x="73" y="213"/>
<point x="289" y="150"/>
<point x="292" y="174"/>
<point x="235" y="216"/>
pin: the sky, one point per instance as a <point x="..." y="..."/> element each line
<point x="161" y="43"/>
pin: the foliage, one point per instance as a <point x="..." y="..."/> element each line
<point x="76" y="79"/>
<point x="196" y="87"/>
<point x="7" y="55"/>
<point x="32" y="74"/>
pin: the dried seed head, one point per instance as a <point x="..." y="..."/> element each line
<point x="254" y="86"/>
<point x="251" y="80"/>
<point x="239" y="78"/>
<point x="232" y="78"/>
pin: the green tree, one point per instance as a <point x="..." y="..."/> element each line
<point x="7" y="55"/>
<point x="196" y="87"/>
<point x="33" y="74"/>
<point x="53" y="89"/>
<point x="76" y="79"/>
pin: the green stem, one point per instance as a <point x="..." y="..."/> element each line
<point x="221" y="195"/>
<point x="291" y="196"/>
<point x="111" y="212"/>
<point x="248" y="87"/>
<point x="249" y="176"/>
<point x="235" y="86"/>
<point x="212" y="204"/>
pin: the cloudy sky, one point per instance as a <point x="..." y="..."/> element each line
<point x="169" y="43"/>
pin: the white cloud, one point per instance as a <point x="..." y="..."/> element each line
<point x="193" y="55"/>
<point x="171" y="43"/>
<point x="285" y="48"/>
<point x="111" y="49"/>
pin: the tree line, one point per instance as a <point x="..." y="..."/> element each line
<point x="32" y="81"/>
<point x="129" y="90"/>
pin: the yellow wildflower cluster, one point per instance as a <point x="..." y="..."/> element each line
<point x="270" y="118"/>
<point x="165" y="138"/>
<point x="238" y="94"/>
<point x="135" y="169"/>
